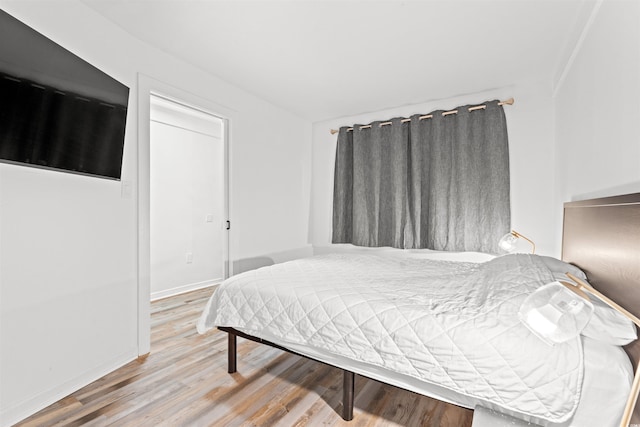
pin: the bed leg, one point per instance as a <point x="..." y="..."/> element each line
<point x="231" y="353"/>
<point x="348" y="387"/>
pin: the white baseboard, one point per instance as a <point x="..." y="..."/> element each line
<point x="182" y="289"/>
<point x="24" y="409"/>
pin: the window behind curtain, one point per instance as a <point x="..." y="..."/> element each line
<point x="440" y="183"/>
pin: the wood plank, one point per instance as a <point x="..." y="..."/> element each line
<point x="184" y="381"/>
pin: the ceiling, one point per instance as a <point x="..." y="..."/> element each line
<point x="327" y="59"/>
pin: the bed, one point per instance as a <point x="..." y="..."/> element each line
<point x="443" y="325"/>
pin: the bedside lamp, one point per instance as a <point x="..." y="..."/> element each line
<point x="508" y="242"/>
<point x="555" y="314"/>
<point x="558" y="311"/>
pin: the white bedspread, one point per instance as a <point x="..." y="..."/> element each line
<point x="454" y="324"/>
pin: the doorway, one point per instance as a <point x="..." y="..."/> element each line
<point x="148" y="87"/>
<point x="187" y="198"/>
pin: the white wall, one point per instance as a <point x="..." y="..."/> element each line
<point x="597" y="108"/>
<point x="530" y="128"/>
<point x="187" y="199"/>
<point x="68" y="264"/>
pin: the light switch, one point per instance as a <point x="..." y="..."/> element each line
<point x="209" y="218"/>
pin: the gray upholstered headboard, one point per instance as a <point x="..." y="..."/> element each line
<point x="602" y="237"/>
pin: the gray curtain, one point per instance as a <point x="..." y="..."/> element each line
<point x="440" y="183"/>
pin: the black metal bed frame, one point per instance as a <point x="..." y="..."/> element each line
<point x="348" y="377"/>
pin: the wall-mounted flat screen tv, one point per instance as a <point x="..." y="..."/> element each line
<point x="57" y="111"/>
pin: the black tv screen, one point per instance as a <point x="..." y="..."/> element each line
<point x="57" y="111"/>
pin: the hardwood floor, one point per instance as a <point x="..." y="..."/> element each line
<point x="184" y="382"/>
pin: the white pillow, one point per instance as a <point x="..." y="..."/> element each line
<point x="609" y="326"/>
<point x="559" y="268"/>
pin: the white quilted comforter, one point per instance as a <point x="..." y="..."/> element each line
<point x="454" y="324"/>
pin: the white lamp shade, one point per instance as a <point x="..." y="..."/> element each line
<point x="508" y="243"/>
<point x="554" y="313"/>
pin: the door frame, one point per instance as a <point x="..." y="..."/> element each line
<point x="148" y="86"/>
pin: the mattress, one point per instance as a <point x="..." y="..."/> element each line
<point x="366" y="313"/>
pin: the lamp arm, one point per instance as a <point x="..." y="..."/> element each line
<point x="631" y="401"/>
<point x="515" y="233"/>
<point x="575" y="289"/>
<point x="582" y="285"/>
<point x="635" y="387"/>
